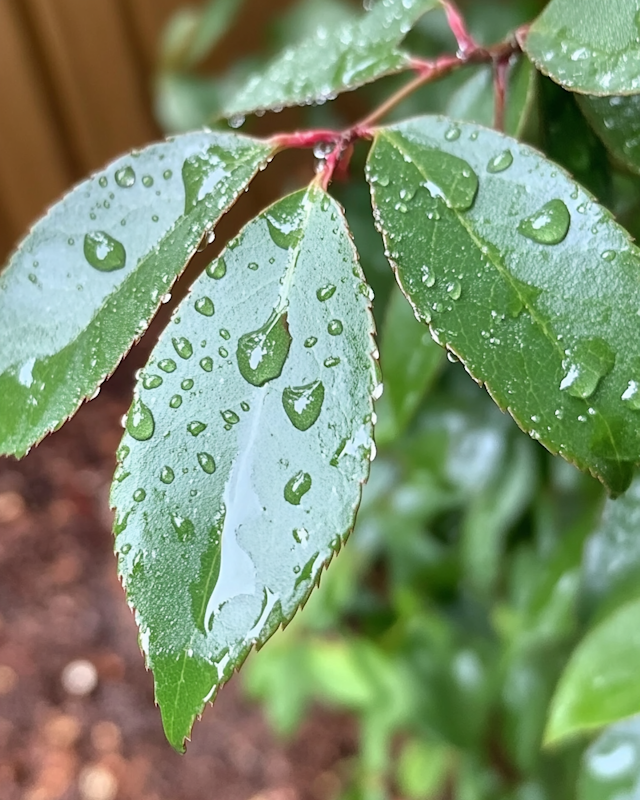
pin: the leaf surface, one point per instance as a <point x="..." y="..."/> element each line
<point x="246" y="446"/>
<point x="524" y="277"/>
<point x="333" y="60"/>
<point x="589" y="47"/>
<point x="616" y="121"/>
<point x="84" y="284"/>
<point x="600" y="683"/>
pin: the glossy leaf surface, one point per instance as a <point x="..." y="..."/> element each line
<point x="589" y="47"/>
<point x="610" y="768"/>
<point x="524" y="277"/>
<point x="616" y="120"/>
<point x="333" y="61"/>
<point x="600" y="682"/>
<point x="84" y="284"/>
<point x="247" y="443"/>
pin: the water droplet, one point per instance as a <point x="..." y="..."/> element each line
<point x="549" y="225"/>
<point x="501" y="162"/>
<point x="139" y="495"/>
<point x="301" y="535"/>
<point x="587" y="364"/>
<point x="151" y="381"/>
<point x="225" y="334"/>
<point x="207" y="463"/>
<point x="297" y="487"/>
<point x="167" y="365"/>
<point x="183" y="527"/>
<point x="245" y="406"/>
<point x="207" y="364"/>
<point x="204" y="306"/>
<point x="147" y="181"/>
<point x="428" y="276"/>
<point x="167" y="475"/>
<point x="303" y="404"/>
<point x="325" y="292"/>
<point x="140" y="422"/>
<point x="125" y="549"/>
<point x="452" y="134"/>
<point x="454" y="290"/>
<point x="284" y="227"/>
<point x="631" y="395"/>
<point x="608" y="255"/>
<point x="262" y="354"/>
<point x="187" y="384"/>
<point x="183" y="347"/>
<point x="176" y="401"/>
<point x="332" y="361"/>
<point x="335" y="327"/>
<point x="230" y="417"/>
<point x="195" y="428"/>
<point x="253" y="266"/>
<point x="310" y="342"/>
<point x="155" y="218"/>
<point x="103" y="182"/>
<point x="103" y="252"/>
<point x="223" y="352"/>
<point x="449" y="178"/>
<point x="167" y="174"/>
<point x="217" y="269"/>
<point x="125" y="177"/>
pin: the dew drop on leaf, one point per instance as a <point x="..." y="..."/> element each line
<point x="589" y="362"/>
<point x="549" y="225"/>
<point x="140" y="422"/>
<point x="125" y="549"/>
<point x="207" y="363"/>
<point x="253" y="266"/>
<point x="167" y="365"/>
<point x="501" y="162"/>
<point x="195" y="428"/>
<point x="452" y="134"/>
<point x="310" y="342"/>
<point x="183" y="347"/>
<point x="187" y="384"/>
<point x="183" y="527"/>
<point x="262" y="354"/>
<point x="147" y="181"/>
<point x="297" y="487"/>
<point x="151" y="381"/>
<point x="139" y="495"/>
<point x="204" y="306"/>
<point x="325" y="292"/>
<point x="230" y="417"/>
<point x="207" y="463"/>
<point x="631" y="395"/>
<point x="608" y="255"/>
<point x="301" y="535"/>
<point x="454" y="290"/>
<point x="217" y="269"/>
<point x="332" y="361"/>
<point x="176" y="401"/>
<point x="223" y="352"/>
<point x="125" y="177"/>
<point x="335" y="327"/>
<point x="303" y="404"/>
<point x="103" y="252"/>
<point x="167" y="475"/>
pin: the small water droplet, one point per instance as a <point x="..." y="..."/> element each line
<point x="140" y="423"/>
<point x="589" y="362"/>
<point x="303" y="404"/>
<point x="245" y="406"/>
<point x="383" y="180"/>
<point x="183" y="347"/>
<point x="167" y="365"/>
<point x="103" y="182"/>
<point x="204" y="306"/>
<point x="325" y="292"/>
<point x="452" y="134"/>
<point x="151" y="381"/>
<point x="501" y="162"/>
<point x="428" y="276"/>
<point x="167" y="174"/>
<point x="217" y="269"/>
<point x="207" y="463"/>
<point x="103" y="252"/>
<point x="332" y="361"/>
<point x="262" y="354"/>
<point x="301" y="535"/>
<point x="297" y="487"/>
<point x="252" y="265"/>
<point x="454" y="290"/>
<point x="167" y="475"/>
<point x="549" y="225"/>
<point x="223" y="352"/>
<point x="187" y="384"/>
<point x="125" y="177"/>
<point x="207" y="363"/>
<point x="225" y="334"/>
<point x="139" y="495"/>
<point x="176" y="401"/>
<point x="183" y="527"/>
<point x="195" y="428"/>
<point x="310" y="342"/>
<point x="230" y="417"/>
<point x="335" y="327"/>
<point x="147" y="181"/>
<point x="125" y="549"/>
<point x="608" y="255"/>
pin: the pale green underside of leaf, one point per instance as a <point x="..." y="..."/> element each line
<point x="611" y="764"/>
<point x="616" y="120"/>
<point x="600" y="683"/>
<point x="84" y="284"/>
<point x="333" y="61"/>
<point x="591" y="47"/>
<point x="525" y="315"/>
<point x="246" y="472"/>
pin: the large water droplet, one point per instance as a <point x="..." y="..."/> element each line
<point x="284" y="225"/>
<point x="187" y="384"/>
<point x="207" y="363"/>
<point x="176" y="401"/>
<point x="183" y="527"/>
<point x="549" y="225"/>
<point x="230" y="417"/>
<point x="325" y="292"/>
<point x="183" y="347"/>
<point x="335" y="327"/>
<point x="140" y="422"/>
<point x="452" y="134"/>
<point x="167" y="475"/>
<point x="103" y="252"/>
<point x="449" y="178"/>
<point x="310" y="342"/>
<point x="151" y="381"/>
<point x="139" y="495"/>
<point x="167" y="365"/>
<point x="217" y="269"/>
<point x="204" y="306"/>
<point x="631" y="395"/>
<point x="195" y="428"/>
<point x="589" y="362"/>
<point x="207" y="463"/>
<point x="125" y="177"/>
<point x="501" y="162"/>
<point x="332" y="361"/>
<point x="454" y="290"/>
<point x="303" y="404"/>
<point x="297" y="487"/>
<point x="262" y="354"/>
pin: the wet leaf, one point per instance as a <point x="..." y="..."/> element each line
<point x="333" y="60"/>
<point x="524" y="277"/>
<point x="616" y="120"/>
<point x="611" y="764"/>
<point x="600" y="683"/>
<point x="589" y="47"/>
<point x="84" y="284"/>
<point x="252" y="481"/>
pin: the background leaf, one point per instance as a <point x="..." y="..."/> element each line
<point x="616" y="120"/>
<point x="246" y="447"/>
<point x="589" y="47"/>
<point x="611" y="764"/>
<point x="526" y="279"/>
<point x="84" y="284"/>
<point x="333" y="61"/>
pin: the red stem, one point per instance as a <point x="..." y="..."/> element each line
<point x="500" y="71"/>
<point x="466" y="43"/>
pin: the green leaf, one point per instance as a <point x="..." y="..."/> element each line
<point x="611" y="765"/>
<point x="410" y="362"/>
<point x="589" y="47"/>
<point x="422" y="768"/>
<point x="616" y="120"/>
<point x="246" y="447"/>
<point x="334" y="60"/>
<point x="600" y="683"/>
<point x="524" y="277"/>
<point x="474" y="100"/>
<point x="84" y="284"/>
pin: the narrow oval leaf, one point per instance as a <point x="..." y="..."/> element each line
<point x="611" y="764"/>
<point x="589" y="47"/>
<point x="334" y="60"/>
<point x="524" y="277"/>
<point x="600" y="683"/>
<point x="246" y="446"/>
<point x="84" y="284"/>
<point x="616" y="121"/>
